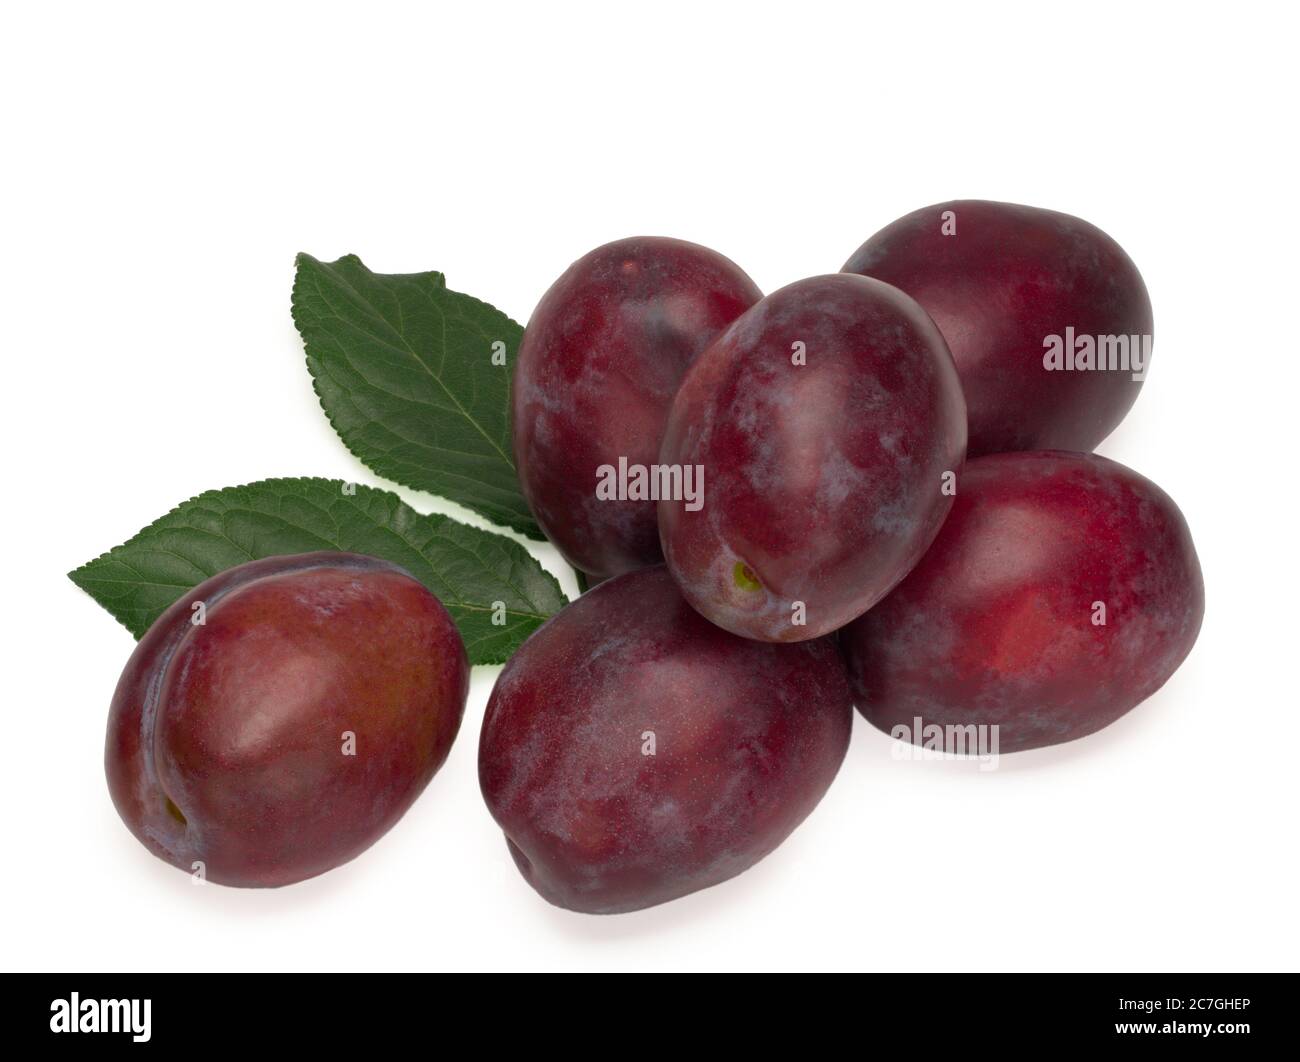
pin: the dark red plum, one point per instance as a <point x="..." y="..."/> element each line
<point x="600" y="360"/>
<point x="1063" y="590"/>
<point x="285" y="733"/>
<point x="828" y="424"/>
<point x="633" y="752"/>
<point x="1008" y="286"/>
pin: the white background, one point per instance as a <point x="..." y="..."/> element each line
<point x="163" y="163"/>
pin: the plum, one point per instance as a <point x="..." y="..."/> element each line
<point x="632" y="752"/>
<point x="828" y="425"/>
<point x="280" y="728"/>
<point x="1028" y="299"/>
<point x="1062" y="591"/>
<point x="597" y="368"/>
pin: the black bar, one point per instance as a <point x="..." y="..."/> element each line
<point x="600" y="1016"/>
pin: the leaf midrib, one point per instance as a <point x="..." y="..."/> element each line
<point x="398" y="330"/>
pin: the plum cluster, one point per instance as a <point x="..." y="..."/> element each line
<point x="869" y="488"/>
<point x="838" y="528"/>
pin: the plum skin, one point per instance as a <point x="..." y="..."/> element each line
<point x="598" y="365"/>
<point x="995" y="625"/>
<point x="225" y="740"/>
<point x="824" y="482"/>
<point x="1010" y="277"/>
<point x="748" y="736"/>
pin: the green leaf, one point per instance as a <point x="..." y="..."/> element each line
<point x="404" y="370"/>
<point x="467" y="568"/>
